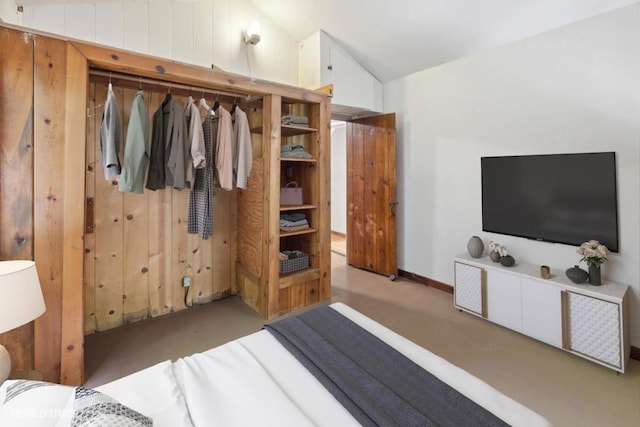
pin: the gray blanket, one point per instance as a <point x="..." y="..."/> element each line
<point x="378" y="385"/>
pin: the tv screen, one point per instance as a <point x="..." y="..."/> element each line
<point x="563" y="198"/>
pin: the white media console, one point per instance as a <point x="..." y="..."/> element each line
<point x="588" y="321"/>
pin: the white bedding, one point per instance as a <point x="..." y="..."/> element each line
<point x="255" y="381"/>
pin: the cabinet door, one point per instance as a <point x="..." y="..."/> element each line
<point x="593" y="328"/>
<point x="504" y="305"/>
<point x="542" y="311"/>
<point x="353" y="86"/>
<point x="469" y="288"/>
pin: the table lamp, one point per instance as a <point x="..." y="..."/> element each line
<point x="21" y="301"/>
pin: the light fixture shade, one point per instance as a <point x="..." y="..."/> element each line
<point x="252" y="33"/>
<point x="21" y="299"/>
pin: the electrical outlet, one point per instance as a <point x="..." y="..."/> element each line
<point x="186" y="281"/>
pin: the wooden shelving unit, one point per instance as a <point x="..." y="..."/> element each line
<point x="270" y="292"/>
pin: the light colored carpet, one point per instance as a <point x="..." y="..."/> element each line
<point x="568" y="390"/>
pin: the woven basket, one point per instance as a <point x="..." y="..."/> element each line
<point x="294" y="264"/>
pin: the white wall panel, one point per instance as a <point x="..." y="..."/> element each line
<point x="109" y="24"/>
<point x="160" y="28"/>
<point x="339" y="177"/>
<point x="8" y="11"/>
<point x="240" y="16"/>
<point x="136" y="27"/>
<point x="182" y="32"/>
<point x="48" y="18"/>
<point x="221" y="35"/>
<point x="203" y="33"/>
<point x="197" y="32"/>
<point x="80" y="21"/>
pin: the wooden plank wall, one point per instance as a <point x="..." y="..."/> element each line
<point x="72" y="348"/>
<point x="140" y="250"/>
<point x="16" y="171"/>
<point x="42" y="137"/>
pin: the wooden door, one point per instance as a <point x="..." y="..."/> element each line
<point x="371" y="194"/>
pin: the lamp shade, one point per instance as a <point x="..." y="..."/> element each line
<point x="21" y="299"/>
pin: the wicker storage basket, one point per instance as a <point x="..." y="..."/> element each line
<point x="294" y="264"/>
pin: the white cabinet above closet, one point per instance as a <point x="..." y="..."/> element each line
<point x="321" y="61"/>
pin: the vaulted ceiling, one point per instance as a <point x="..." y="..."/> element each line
<point x="395" y="38"/>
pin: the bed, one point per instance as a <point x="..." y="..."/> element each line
<point x="257" y="380"/>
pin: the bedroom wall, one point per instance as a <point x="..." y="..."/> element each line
<point x="8" y="11"/>
<point x="576" y="89"/>
<point x="198" y="32"/>
<point x="339" y="177"/>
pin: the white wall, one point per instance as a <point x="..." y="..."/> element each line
<point x="199" y="32"/>
<point x="339" y="177"/>
<point x="576" y="89"/>
<point x="8" y="11"/>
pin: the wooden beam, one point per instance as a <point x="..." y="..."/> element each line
<point x="323" y="182"/>
<point x="16" y="171"/>
<point x="49" y="159"/>
<point x="72" y="327"/>
<point x="118" y="60"/>
<point x="271" y="155"/>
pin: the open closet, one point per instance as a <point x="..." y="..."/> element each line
<point x="107" y="258"/>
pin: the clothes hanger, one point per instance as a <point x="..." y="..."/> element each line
<point x="216" y="104"/>
<point x="233" y="107"/>
<point x="203" y="103"/>
<point x="168" y="97"/>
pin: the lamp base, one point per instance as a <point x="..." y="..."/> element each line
<point x="5" y="364"/>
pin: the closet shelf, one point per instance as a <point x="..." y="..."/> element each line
<point x="292" y="130"/>
<point x="298" y="233"/>
<point x="288" y="130"/>
<point x="288" y="159"/>
<point x="304" y="275"/>
<point x="284" y="208"/>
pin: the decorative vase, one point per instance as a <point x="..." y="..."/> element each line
<point x="475" y="247"/>
<point x="507" y="261"/>
<point x="576" y="274"/>
<point x="594" y="275"/>
<point x="495" y="256"/>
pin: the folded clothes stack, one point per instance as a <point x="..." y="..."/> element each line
<point x="294" y="151"/>
<point x="291" y="119"/>
<point x="293" y="222"/>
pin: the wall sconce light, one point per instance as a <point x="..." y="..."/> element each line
<point x="251" y="34"/>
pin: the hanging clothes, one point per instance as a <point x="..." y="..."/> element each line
<point x="136" y="153"/>
<point x="200" y="217"/>
<point x="169" y="157"/>
<point x="195" y="138"/>
<point x="224" y="149"/>
<point x="242" y="150"/>
<point x="110" y="136"/>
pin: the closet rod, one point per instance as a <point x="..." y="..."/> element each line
<point x="169" y="85"/>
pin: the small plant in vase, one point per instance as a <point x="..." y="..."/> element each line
<point x="594" y="254"/>
<point x="496" y="251"/>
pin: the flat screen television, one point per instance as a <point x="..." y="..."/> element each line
<point x="562" y="198"/>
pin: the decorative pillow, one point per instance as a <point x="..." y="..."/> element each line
<point x="89" y="407"/>
<point x="32" y="403"/>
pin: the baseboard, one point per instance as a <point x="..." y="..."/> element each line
<point x="635" y="353"/>
<point x="426" y="281"/>
<point x="338" y="234"/>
